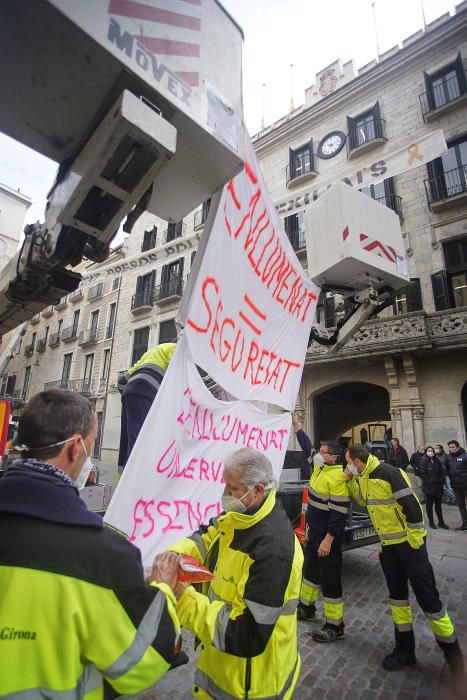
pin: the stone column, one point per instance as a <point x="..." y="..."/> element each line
<point x="396" y="418"/>
<point x="418" y="426"/>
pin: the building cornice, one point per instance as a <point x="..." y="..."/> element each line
<point x="15" y="194"/>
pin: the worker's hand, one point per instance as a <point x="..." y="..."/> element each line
<point x="324" y="548"/>
<point x="348" y="474"/>
<point x="165" y="569"/>
<point x="296" y="425"/>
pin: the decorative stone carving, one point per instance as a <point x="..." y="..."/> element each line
<point x="395" y="413"/>
<point x="418" y="412"/>
<point x="452" y="323"/>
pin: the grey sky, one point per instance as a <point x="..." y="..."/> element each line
<point x="308" y="33"/>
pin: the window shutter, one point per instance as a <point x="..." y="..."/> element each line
<point x="440" y="286"/>
<point x="165" y="275"/>
<point x="139" y="285"/>
<point x="153" y="279"/>
<point x="181" y="261"/>
<point x="330" y="312"/>
<point x="460" y="74"/>
<point x="351" y="132"/>
<point x="377" y="121"/>
<point x="429" y="92"/>
<point x="414" y="295"/>
<point x="291" y="164"/>
<point x="312" y="161"/>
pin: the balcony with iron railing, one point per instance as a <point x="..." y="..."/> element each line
<point x="69" y="334"/>
<point x="29" y="349"/>
<point x="75" y="296"/>
<point x="300" y="171"/>
<point x="199" y="218"/>
<point x="48" y="312"/>
<point x="80" y="386"/>
<point x="392" y="201"/>
<point x="96" y="291"/>
<point x="144" y="301"/>
<point x="169" y="292"/>
<point x="297" y="238"/>
<point x="35" y="319"/>
<point x="442" y="98"/>
<point x="88" y="337"/>
<point x="54" y="340"/>
<point x="41" y="345"/>
<point x="447" y="189"/>
<point x="172" y="232"/>
<point x="364" y="137"/>
<point x="62" y="304"/>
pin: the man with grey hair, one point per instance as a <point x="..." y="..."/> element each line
<point x="245" y="617"/>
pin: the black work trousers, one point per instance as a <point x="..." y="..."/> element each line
<point x="325" y="572"/>
<point x="460" y="498"/>
<point x="401" y="564"/>
<point x="436" y="502"/>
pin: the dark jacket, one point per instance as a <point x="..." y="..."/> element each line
<point x="416" y="460"/>
<point x="77" y="589"/>
<point x="399" y="458"/>
<point x="443" y="458"/>
<point x="432" y="475"/>
<point x="457" y="467"/>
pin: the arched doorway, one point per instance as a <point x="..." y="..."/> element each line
<point x="340" y="408"/>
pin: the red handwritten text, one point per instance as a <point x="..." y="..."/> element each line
<point x="152" y="516"/>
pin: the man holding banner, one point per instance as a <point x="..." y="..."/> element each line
<point x="245" y="617"/>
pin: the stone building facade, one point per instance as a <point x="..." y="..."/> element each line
<point x="407" y="368"/>
<point x="13" y="207"/>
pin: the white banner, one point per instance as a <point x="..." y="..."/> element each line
<point x="251" y="306"/>
<point x="412" y="155"/>
<point x="173" y="481"/>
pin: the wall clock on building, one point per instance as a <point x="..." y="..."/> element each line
<point x="331" y="144"/>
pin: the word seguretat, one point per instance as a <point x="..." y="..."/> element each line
<point x="229" y="342"/>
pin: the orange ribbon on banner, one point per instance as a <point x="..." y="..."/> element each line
<point x="413" y="153"/>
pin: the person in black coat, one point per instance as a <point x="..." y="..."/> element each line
<point x="457" y="467"/>
<point x="398" y="456"/>
<point x="432" y="475"/>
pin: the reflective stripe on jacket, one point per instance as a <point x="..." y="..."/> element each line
<point x="328" y="499"/>
<point x="74" y="606"/>
<point x="393" y="507"/>
<point x="246" y="621"/>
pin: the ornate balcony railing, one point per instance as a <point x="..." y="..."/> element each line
<point x="446" y="184"/>
<point x="439" y="96"/>
<point x="81" y="386"/>
<point x="88" y="336"/>
<point x="48" y="311"/>
<point x="372" y="131"/>
<point x="75" y="296"/>
<point x="173" y="289"/>
<point x="54" y="340"/>
<point x="29" y="349"/>
<point x="301" y="169"/>
<point x="396" y="334"/>
<point x="41" y="345"/>
<point x="143" y="300"/>
<point x="96" y="291"/>
<point x="297" y="238"/>
<point x="392" y="201"/>
<point x="70" y="333"/>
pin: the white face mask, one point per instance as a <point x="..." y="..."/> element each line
<point x="318" y="460"/>
<point x="86" y="469"/>
<point x="430" y="453"/>
<point x="235" y="505"/>
<point x="353" y="469"/>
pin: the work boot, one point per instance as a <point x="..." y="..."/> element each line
<point x="399" y="658"/>
<point x="306" y="612"/>
<point x="329" y="633"/>
<point x="461" y="527"/>
<point x="432" y="525"/>
<point x="455" y="663"/>
<point x="443" y="525"/>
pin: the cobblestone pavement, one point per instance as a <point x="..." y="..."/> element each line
<point x="350" y="669"/>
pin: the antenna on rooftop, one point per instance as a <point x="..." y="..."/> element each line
<point x="375" y="27"/>
<point x="262" y="118"/>
<point x="423" y="15"/>
<point x="291" y="105"/>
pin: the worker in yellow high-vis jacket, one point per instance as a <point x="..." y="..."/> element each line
<point x="75" y="610"/>
<point x="397" y="516"/>
<point x="245" y="618"/>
